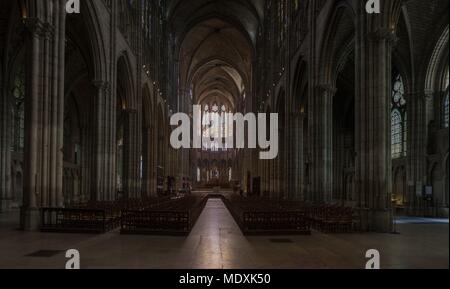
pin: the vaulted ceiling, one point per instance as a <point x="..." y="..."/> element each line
<point x="5" y="14"/>
<point x="216" y="46"/>
<point x="184" y="14"/>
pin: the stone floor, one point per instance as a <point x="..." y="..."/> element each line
<point x="216" y="242"/>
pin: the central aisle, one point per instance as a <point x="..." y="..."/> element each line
<point x="216" y="237"/>
<point x="215" y="216"/>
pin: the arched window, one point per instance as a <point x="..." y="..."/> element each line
<point x="398" y="118"/>
<point x="281" y="22"/>
<point x="446" y="120"/>
<point x="141" y="167"/>
<point x="396" y="133"/>
<point x="18" y="92"/>
<point x="215" y="125"/>
<point x="67" y="148"/>
<point x="120" y="140"/>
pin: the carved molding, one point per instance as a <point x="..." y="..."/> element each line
<point x="383" y="34"/>
<point x="35" y="26"/>
<point x="326" y="88"/>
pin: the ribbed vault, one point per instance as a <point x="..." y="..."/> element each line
<point x="216" y="62"/>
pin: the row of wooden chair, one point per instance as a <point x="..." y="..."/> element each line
<point x="332" y="218"/>
<point x="176" y="217"/>
<point x="260" y="216"/>
<point x="263" y="214"/>
<point x="92" y="217"/>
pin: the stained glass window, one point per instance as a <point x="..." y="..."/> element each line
<point x="398" y="118"/>
<point x="281" y="22"/>
<point x="67" y="134"/>
<point x="296" y="6"/>
<point x="446" y="116"/>
<point x="18" y="91"/>
<point x="215" y="126"/>
<point x="396" y="132"/>
<point x="444" y="111"/>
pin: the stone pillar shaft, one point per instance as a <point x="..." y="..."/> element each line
<point x="5" y="146"/>
<point x="417" y="143"/>
<point x="32" y="172"/>
<point x="104" y="178"/>
<point x="60" y="79"/>
<point x="320" y="126"/>
<point x="297" y="157"/>
<point x="132" y="155"/>
<point x="373" y="104"/>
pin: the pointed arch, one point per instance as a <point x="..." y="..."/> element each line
<point x="337" y="43"/>
<point x="91" y="14"/>
<point x="147" y="99"/>
<point x="300" y="86"/>
<point x="438" y="63"/>
<point x="125" y="77"/>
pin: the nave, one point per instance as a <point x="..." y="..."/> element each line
<point x="86" y="107"/>
<point x="216" y="242"/>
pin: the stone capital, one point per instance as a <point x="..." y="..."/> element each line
<point x="421" y="95"/>
<point x="383" y="34"/>
<point x="326" y="88"/>
<point x="428" y="94"/>
<point x="34" y="26"/>
<point x="131" y="111"/>
<point x="102" y="86"/>
<point x="48" y="30"/>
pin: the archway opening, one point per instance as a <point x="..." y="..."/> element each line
<point x="215" y="66"/>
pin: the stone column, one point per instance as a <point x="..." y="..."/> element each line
<point x="272" y="178"/>
<point x="53" y="109"/>
<point x="154" y="160"/>
<point x="44" y="98"/>
<point x="31" y="191"/>
<point x="60" y="99"/>
<point x="373" y="132"/>
<point x="321" y="144"/>
<point x="417" y="144"/>
<point x="147" y="159"/>
<point x="287" y="169"/>
<point x="268" y="178"/>
<point x="297" y="157"/>
<point x="102" y="186"/>
<point x="263" y="177"/>
<point x="276" y="173"/>
<point x="290" y="155"/>
<point x="5" y="146"/>
<point x="87" y="159"/>
<point x="184" y="167"/>
<point x="131" y="154"/>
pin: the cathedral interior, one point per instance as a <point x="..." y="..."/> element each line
<point x="86" y="102"/>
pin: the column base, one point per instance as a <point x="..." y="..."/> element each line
<point x="379" y="221"/>
<point x="428" y="212"/>
<point x="443" y="212"/>
<point x="29" y="219"/>
<point x="5" y="205"/>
